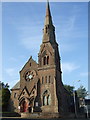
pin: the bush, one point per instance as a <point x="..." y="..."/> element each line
<point x="5" y="98"/>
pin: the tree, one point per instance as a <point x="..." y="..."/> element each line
<point x="69" y="88"/>
<point x="5" y="98"/>
<point x="4" y="95"/>
<point x="3" y="85"/>
<point x="81" y="92"/>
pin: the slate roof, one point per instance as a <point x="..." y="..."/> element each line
<point x="16" y="86"/>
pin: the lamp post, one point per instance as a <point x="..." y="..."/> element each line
<point x="74" y="96"/>
<point x="86" y="106"/>
<point x="75" y="107"/>
<point x="87" y="110"/>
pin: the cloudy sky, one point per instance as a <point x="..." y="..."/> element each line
<point x="22" y="36"/>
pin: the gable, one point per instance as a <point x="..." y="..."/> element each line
<point x="30" y="64"/>
<point x="46" y="48"/>
<point x="24" y="93"/>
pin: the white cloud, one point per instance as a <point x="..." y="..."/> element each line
<point x="66" y="47"/>
<point x="69" y="67"/>
<point x="85" y="74"/>
<point x="13" y="59"/>
<point x="30" y="37"/>
<point x="31" y="43"/>
<point x="70" y="23"/>
<point x="68" y="26"/>
<point x="10" y="71"/>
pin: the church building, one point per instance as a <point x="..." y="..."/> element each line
<point x="40" y="89"/>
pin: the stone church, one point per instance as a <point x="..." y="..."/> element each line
<point x="40" y="89"/>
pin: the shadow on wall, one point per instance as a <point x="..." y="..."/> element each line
<point x="37" y="99"/>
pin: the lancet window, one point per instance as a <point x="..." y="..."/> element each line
<point x="46" y="60"/>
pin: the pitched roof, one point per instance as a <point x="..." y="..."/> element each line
<point x="27" y="62"/>
<point x="16" y="86"/>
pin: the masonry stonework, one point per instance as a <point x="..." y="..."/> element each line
<point x="40" y="88"/>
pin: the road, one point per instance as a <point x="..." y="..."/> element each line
<point x="18" y="118"/>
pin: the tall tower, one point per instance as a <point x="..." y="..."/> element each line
<point x="50" y="40"/>
<point x="49" y="69"/>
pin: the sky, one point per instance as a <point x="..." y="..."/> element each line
<point x="22" y="24"/>
<point x="45" y="0"/>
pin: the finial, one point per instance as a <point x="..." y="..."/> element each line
<point x="47" y="1"/>
<point x="48" y="9"/>
<point x="30" y="57"/>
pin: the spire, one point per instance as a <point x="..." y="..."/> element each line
<point x="48" y="18"/>
<point x="49" y="29"/>
<point x="48" y="9"/>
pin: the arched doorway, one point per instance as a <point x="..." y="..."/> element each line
<point x="24" y="106"/>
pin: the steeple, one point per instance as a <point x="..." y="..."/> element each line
<point x="49" y="53"/>
<point x="49" y="29"/>
<point x="48" y="19"/>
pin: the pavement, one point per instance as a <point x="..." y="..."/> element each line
<point x="19" y="118"/>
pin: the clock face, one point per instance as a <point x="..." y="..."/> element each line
<point x="29" y="75"/>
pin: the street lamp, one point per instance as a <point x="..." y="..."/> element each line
<point x="74" y="96"/>
<point x="75" y="104"/>
<point x="86" y="107"/>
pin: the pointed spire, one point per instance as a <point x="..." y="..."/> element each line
<point x="49" y="29"/>
<point x="48" y="9"/>
<point x="48" y="19"/>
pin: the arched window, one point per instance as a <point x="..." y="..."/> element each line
<point x="15" y="95"/>
<point x="42" y="80"/>
<point x="46" y="98"/>
<point x="43" y="100"/>
<point x="46" y="79"/>
<point x="46" y="29"/>
<point x="49" y="79"/>
<point x="30" y="64"/>
<point x="47" y="60"/>
<point x="44" y="61"/>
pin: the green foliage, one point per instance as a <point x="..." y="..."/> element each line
<point x="2" y="85"/>
<point x="81" y="92"/>
<point x="4" y="96"/>
<point x="69" y="88"/>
